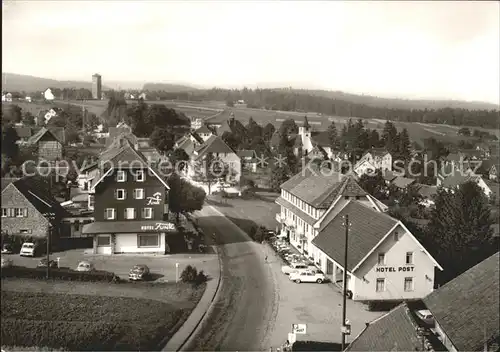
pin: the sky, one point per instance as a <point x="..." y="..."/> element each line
<point x="440" y="50"/>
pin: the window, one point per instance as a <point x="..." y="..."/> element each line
<point x="380" y="285"/>
<point x="396" y="236"/>
<point x="5" y="212"/>
<point x="109" y="214"/>
<point x="139" y="193"/>
<point x="121" y="176"/>
<point x="408" y="284"/>
<point x="24" y="231"/>
<point x="91" y="201"/>
<point x="147" y="213"/>
<point x="381" y="259"/>
<point x="103" y="241"/>
<point x="409" y="258"/>
<point x="129" y="213"/>
<point x="120" y="194"/>
<point x="148" y="240"/>
<point x="21" y="212"/>
<point x="139" y="176"/>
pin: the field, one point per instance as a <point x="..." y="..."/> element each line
<point x="418" y="131"/>
<point x="245" y="213"/>
<point x="32" y="316"/>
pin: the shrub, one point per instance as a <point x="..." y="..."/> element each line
<point x="59" y="274"/>
<point x="200" y="278"/>
<point x="189" y="274"/>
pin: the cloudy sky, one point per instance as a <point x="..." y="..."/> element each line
<point x="402" y="49"/>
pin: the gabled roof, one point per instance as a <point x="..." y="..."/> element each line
<point x="7" y="181"/>
<point x="402" y="182"/>
<point x="368" y="228"/>
<point x="458" y="179"/>
<point x="321" y="138"/>
<point x="116" y="131"/>
<point x="37" y="192"/>
<point x="187" y="145"/>
<point x="466" y="308"/>
<point x="321" y="188"/>
<point x="388" y="175"/>
<point x="426" y="191"/>
<point x="394" y="331"/>
<point x="377" y="152"/>
<point x="38" y="135"/>
<point x="214" y="144"/>
<point x="197" y="137"/>
<point x="203" y="129"/>
<point x="24" y="132"/>
<point x="246" y="153"/>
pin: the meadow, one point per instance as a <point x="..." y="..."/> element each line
<point x="210" y="111"/>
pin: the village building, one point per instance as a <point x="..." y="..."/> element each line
<point x="204" y="132"/>
<point x="458" y="178"/>
<point x="48" y="146"/>
<point x="7" y="97"/>
<point x="220" y="151"/>
<point x="29" y="210"/>
<point x="373" y="160"/>
<point x="129" y="205"/>
<point x="428" y="193"/>
<point x="196" y="123"/>
<point x="189" y="142"/>
<point x="48" y="95"/>
<point x="402" y="183"/>
<point x="385" y="262"/>
<point x="248" y="159"/>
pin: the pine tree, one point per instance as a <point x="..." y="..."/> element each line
<point x="404" y="149"/>
<point x="389" y="137"/>
<point x="333" y="136"/>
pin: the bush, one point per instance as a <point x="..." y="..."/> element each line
<point x="191" y="275"/>
<point x="59" y="274"/>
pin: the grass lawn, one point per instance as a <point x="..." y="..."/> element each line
<point x="246" y="213"/>
<point x="87" y="317"/>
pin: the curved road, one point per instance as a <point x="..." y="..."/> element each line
<point x="244" y="315"/>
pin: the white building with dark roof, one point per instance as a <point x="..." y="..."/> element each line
<point x="385" y="261"/>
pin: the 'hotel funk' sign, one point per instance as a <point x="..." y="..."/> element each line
<point x="159" y="226"/>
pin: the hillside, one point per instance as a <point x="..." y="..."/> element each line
<point x="395" y="103"/>
<point x="168" y="87"/>
<point x="17" y="83"/>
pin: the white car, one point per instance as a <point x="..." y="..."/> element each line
<point x="426" y="316"/>
<point x="28" y="249"/>
<point x="287" y="269"/>
<point x="307" y="276"/>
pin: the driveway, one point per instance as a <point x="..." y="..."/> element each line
<point x="258" y="303"/>
<point x="162" y="267"/>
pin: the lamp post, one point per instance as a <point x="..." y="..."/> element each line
<point x="344" y="328"/>
<point x="176" y="272"/>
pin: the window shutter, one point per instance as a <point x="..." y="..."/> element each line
<point x="25" y="212"/>
<point x="116" y="194"/>
<point x="143" y="213"/>
<point x="152" y="211"/>
<point x="125" y="213"/>
<point x="124" y="194"/>
<point x="135" y="213"/>
<point x="106" y="214"/>
<point x="124" y="176"/>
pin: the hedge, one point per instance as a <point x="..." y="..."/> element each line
<point x="59" y="274"/>
<point x="316" y="346"/>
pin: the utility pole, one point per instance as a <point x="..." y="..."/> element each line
<point x="344" y="305"/>
<point x="49" y="233"/>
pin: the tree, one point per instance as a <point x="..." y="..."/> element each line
<point x="279" y="175"/>
<point x="333" y="136"/>
<point x="464" y="131"/>
<point x="374" y="139"/>
<point x="137" y="116"/>
<point x="288" y="127"/>
<point x="460" y="227"/>
<point x="254" y="130"/>
<point x="268" y="132"/>
<point x="231" y="140"/>
<point x="404" y="149"/>
<point x="389" y="137"/>
<point x="179" y="158"/>
<point x="375" y="185"/>
<point x="174" y="194"/>
<point x="229" y="103"/>
<point x="9" y="145"/>
<point x="162" y="139"/>
<point x="72" y="136"/>
<point x="14" y="113"/>
<point x="28" y="119"/>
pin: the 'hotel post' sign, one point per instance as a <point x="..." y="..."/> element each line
<point x="391" y="269"/>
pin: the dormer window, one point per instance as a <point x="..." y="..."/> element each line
<point x="121" y="176"/>
<point x="139" y="176"/>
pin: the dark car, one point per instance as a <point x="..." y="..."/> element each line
<point x="43" y="263"/>
<point x="139" y="272"/>
<point x="7" y="248"/>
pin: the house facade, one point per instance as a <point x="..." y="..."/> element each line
<point x="129" y="207"/>
<point x="204" y="132"/>
<point x="29" y="210"/>
<point x="373" y="160"/>
<point x="48" y="95"/>
<point x="382" y="251"/>
<point x="48" y="146"/>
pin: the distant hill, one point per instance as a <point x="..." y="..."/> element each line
<point x="17" y="83"/>
<point x="395" y="103"/>
<point x="168" y="87"/>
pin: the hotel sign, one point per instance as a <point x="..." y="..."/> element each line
<point x="391" y="269"/>
<point x="155" y="199"/>
<point x="159" y="226"/>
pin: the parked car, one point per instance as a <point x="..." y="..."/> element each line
<point x="43" y="263"/>
<point x="307" y="276"/>
<point x="139" y="272"/>
<point x="6" y="262"/>
<point x="287" y="269"/>
<point x="7" y="248"/>
<point x="426" y="316"/>
<point x="28" y="249"/>
<point x="85" y="266"/>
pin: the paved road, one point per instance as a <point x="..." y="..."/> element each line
<point x="245" y="313"/>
